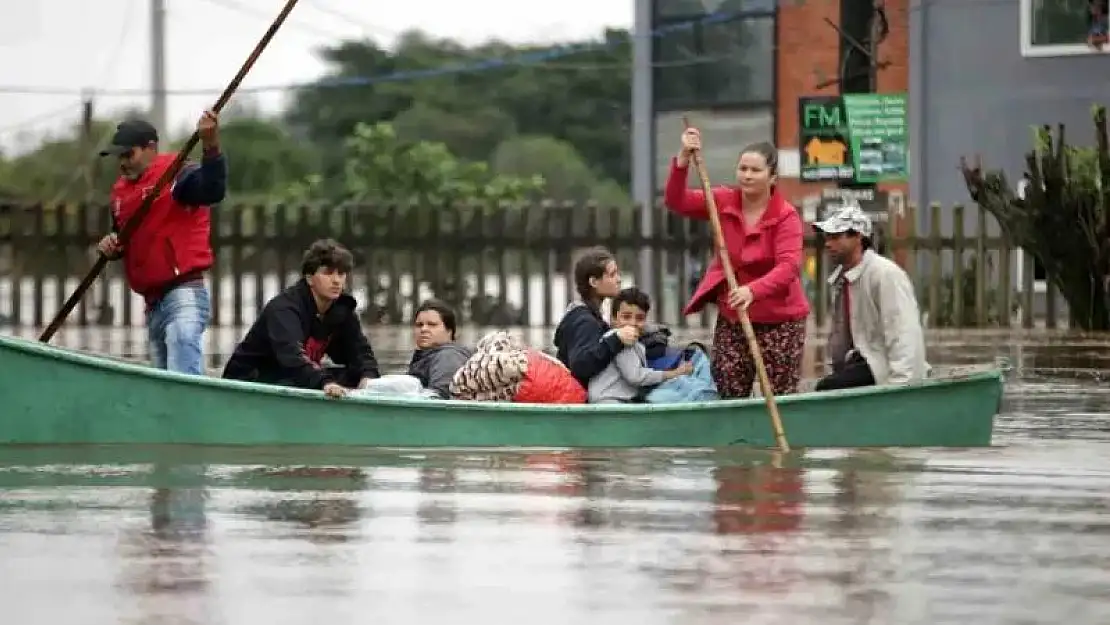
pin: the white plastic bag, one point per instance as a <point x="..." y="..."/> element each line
<point x="393" y="385"/>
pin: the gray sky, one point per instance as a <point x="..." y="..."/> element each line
<point x="104" y="44"/>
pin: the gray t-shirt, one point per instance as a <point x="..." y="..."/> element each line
<point x="625" y="378"/>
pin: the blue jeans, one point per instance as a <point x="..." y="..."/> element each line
<point x="175" y="328"/>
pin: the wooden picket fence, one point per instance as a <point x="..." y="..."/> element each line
<point x="497" y="265"/>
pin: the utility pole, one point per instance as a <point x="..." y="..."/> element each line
<point x="643" y="133"/>
<point x="158" y="65"/>
<point x="88" y="173"/>
<point x="863" y="26"/>
<point x="859" y="46"/>
<point x="89" y="162"/>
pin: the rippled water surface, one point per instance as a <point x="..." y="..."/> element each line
<point x="1017" y="533"/>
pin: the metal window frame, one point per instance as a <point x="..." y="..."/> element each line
<point x="695" y="101"/>
<point x="1031" y="50"/>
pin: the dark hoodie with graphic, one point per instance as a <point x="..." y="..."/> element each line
<point x="288" y="340"/>
<point x="436" y="366"/>
<point x="656" y="339"/>
<point x="585" y="343"/>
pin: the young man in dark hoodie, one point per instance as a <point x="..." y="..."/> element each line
<point x="584" y="342"/>
<point x="300" y="325"/>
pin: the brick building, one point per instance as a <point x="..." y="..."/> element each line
<point x="740" y="68"/>
<point x="807" y="54"/>
<point x="979" y="76"/>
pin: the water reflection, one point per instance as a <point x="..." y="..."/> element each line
<point x="298" y="534"/>
<point x="866" y="499"/>
<point x="439" y="508"/>
<point x="574" y="475"/>
<point x="318" y="504"/>
<point x="1017" y="533"/>
<point x="165" y="566"/>
<point x="178" y="513"/>
<point x="758" y="499"/>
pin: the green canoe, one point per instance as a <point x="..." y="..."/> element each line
<point x="55" y="396"/>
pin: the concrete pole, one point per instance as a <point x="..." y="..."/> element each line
<point x="88" y="144"/>
<point x="643" y="133"/>
<point x="158" y="66"/>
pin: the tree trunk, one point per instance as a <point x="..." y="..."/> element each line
<point x="1064" y="218"/>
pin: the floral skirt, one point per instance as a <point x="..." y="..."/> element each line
<point x="781" y="344"/>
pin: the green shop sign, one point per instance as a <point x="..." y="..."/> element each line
<point x="859" y="138"/>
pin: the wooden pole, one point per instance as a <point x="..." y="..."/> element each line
<point x="133" y="223"/>
<point x="745" y="322"/>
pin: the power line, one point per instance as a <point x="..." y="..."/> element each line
<point x="121" y="41"/>
<point x="105" y="70"/>
<point x="239" y="7"/>
<point x="349" y="19"/>
<point x="534" y="58"/>
<point x="693" y="61"/>
<point x="110" y="64"/>
<point x="31" y="122"/>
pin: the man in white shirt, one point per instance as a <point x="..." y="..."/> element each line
<point x="876" y="335"/>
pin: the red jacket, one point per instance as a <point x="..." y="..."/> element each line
<point x="171" y="244"/>
<point x="548" y="381"/>
<point x="768" y="259"/>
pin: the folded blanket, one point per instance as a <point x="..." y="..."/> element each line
<point x="698" y="386"/>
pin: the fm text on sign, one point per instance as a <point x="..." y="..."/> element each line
<point x="860" y="138"/>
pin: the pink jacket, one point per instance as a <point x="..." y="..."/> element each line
<point x="768" y="258"/>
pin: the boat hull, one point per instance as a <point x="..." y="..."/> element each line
<point x="53" y="396"/>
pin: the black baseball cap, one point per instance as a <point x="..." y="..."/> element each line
<point x="133" y="133"/>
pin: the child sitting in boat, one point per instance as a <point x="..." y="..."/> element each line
<point x="629" y="378"/>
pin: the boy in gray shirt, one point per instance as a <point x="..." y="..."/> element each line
<point x="628" y="378"/>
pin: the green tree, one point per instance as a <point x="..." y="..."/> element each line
<point x="1064" y="219"/>
<point x="567" y="175"/>
<point x="418" y="180"/>
<point x="380" y="168"/>
<point x="263" y="157"/>
<point x="472" y="136"/>
<point x="582" y="98"/>
<point x="8" y="188"/>
<point x="65" y="168"/>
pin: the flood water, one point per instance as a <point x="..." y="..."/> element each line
<point x="1018" y="533"/>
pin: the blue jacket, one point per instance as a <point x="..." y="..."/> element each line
<point x="204" y="183"/>
<point x="698" y="386"/>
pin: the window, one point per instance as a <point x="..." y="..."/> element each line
<point x="727" y="133"/>
<point x="742" y="70"/>
<point x="718" y="63"/>
<point x="664" y="10"/>
<point x="1059" y="27"/>
<point x="686" y="9"/>
<point x="673" y="81"/>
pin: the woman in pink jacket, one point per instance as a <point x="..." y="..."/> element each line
<point x="763" y="236"/>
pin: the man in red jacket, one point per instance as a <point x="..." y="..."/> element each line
<point x="167" y="256"/>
